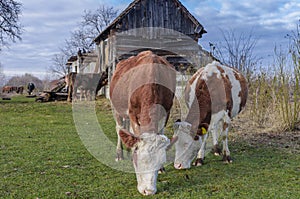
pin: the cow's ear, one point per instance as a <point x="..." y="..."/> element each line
<point x="202" y="129"/>
<point x="127" y="138"/>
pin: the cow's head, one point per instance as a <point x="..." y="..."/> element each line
<point x="149" y="154"/>
<point x="187" y="143"/>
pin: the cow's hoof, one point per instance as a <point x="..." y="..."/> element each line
<point x="162" y="170"/>
<point x="198" y="162"/>
<point x="217" y="150"/>
<point x="119" y="158"/>
<point x="120" y="155"/>
<point x="227" y="159"/>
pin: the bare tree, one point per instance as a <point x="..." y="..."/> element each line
<point x="58" y="67"/>
<point x="91" y="25"/>
<point x="10" y="28"/>
<point x="295" y="45"/>
<point x="96" y="21"/>
<point x="80" y="39"/>
<point x="237" y="51"/>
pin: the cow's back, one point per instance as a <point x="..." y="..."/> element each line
<point x="141" y="86"/>
<point x="215" y="88"/>
<point x="130" y="67"/>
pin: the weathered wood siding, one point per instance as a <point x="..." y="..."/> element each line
<point x="158" y="13"/>
<point x="107" y="57"/>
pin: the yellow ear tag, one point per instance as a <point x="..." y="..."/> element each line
<point x="203" y="131"/>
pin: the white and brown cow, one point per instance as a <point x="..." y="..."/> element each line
<point x="214" y="95"/>
<point x="142" y="91"/>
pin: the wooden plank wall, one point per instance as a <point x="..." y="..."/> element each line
<point x="157" y="13"/>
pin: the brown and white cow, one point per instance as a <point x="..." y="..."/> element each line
<point x="142" y="91"/>
<point x="214" y="95"/>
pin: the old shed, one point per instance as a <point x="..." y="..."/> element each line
<point x="164" y="26"/>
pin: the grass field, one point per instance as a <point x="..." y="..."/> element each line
<point x="42" y="156"/>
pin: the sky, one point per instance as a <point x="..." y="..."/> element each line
<point x="47" y="24"/>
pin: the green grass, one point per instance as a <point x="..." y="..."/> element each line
<point x="42" y="156"/>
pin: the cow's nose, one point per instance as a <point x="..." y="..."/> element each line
<point x="177" y="166"/>
<point x="148" y="192"/>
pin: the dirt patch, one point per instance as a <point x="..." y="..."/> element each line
<point x="244" y="129"/>
<point x="282" y="140"/>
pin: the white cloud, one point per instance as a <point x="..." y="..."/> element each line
<point x="46" y="25"/>
<point x="270" y="20"/>
<point x="255" y="12"/>
<point x="286" y="16"/>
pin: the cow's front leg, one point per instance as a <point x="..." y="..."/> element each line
<point x="200" y="157"/>
<point x="119" y="125"/>
<point x="226" y="152"/>
<point x="120" y="155"/>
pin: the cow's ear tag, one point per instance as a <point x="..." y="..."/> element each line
<point x="203" y="131"/>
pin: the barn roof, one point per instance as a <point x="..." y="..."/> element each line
<point x="104" y="34"/>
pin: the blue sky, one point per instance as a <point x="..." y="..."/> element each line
<point x="48" y="23"/>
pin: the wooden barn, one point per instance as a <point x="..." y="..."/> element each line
<point x="164" y="26"/>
